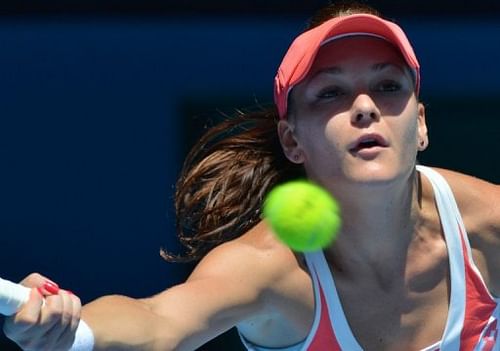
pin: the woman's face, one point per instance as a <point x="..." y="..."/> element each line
<point x="355" y="117"/>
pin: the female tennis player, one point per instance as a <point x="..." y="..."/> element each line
<point x="416" y="265"/>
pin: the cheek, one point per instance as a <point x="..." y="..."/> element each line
<point x="409" y="123"/>
<point x="411" y="132"/>
<point x="409" y="139"/>
<point x="336" y="131"/>
<point x="320" y="138"/>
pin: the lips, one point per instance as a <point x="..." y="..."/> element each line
<point x="368" y="141"/>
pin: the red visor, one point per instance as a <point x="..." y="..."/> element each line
<point x="301" y="54"/>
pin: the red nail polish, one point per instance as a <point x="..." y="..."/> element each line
<point x="51" y="288"/>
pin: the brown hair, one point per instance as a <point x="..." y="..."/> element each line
<point x="340" y="9"/>
<point x="224" y="179"/>
<point x="228" y="172"/>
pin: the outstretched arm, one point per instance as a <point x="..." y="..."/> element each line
<point x="218" y="295"/>
<point x="232" y="284"/>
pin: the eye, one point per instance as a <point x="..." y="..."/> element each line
<point x="388" y="86"/>
<point x="330" y="93"/>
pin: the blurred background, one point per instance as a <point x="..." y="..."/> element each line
<point x="100" y="101"/>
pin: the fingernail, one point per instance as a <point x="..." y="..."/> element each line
<point x="40" y="291"/>
<point x="47" y="280"/>
<point x="51" y="287"/>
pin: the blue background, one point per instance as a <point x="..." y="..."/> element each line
<point x="96" y="114"/>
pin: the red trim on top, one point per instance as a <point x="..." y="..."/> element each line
<point x="324" y="338"/>
<point x="478" y="304"/>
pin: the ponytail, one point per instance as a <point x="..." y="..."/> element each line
<point x="224" y="180"/>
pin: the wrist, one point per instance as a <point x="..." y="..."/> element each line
<point x="84" y="338"/>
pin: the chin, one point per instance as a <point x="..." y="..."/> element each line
<point x="377" y="174"/>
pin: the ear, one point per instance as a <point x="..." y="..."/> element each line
<point x="289" y="142"/>
<point x="422" y="137"/>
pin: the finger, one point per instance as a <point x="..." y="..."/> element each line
<point x="67" y="310"/>
<point x="53" y="309"/>
<point x="49" y="288"/>
<point x="41" y="328"/>
<point x="36" y="280"/>
<point x="45" y="334"/>
<point x="29" y="314"/>
<point x="63" y="331"/>
<point x="27" y="317"/>
<point x="76" y="313"/>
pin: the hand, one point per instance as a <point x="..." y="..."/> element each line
<point x="49" y="319"/>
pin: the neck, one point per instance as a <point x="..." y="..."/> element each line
<point x="377" y="222"/>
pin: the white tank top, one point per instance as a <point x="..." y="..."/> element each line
<point x="472" y="322"/>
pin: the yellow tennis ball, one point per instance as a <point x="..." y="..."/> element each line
<point x="302" y="215"/>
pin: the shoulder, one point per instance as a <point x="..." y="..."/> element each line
<point x="479" y="205"/>
<point x="255" y="250"/>
<point x="273" y="281"/>
<point x="477" y="199"/>
<point x="244" y="282"/>
<point x="256" y="261"/>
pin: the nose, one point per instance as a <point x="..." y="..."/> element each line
<point x="364" y="110"/>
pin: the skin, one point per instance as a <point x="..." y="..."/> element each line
<point x="257" y="284"/>
<point x="55" y="323"/>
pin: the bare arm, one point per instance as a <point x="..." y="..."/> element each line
<point x="229" y="286"/>
<point x="253" y="282"/>
<point x="212" y="300"/>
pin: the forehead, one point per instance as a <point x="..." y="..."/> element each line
<point x="356" y="50"/>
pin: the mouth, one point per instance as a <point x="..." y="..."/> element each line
<point x="368" y="142"/>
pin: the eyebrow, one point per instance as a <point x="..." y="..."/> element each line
<point x="380" y="66"/>
<point x="384" y="65"/>
<point x="328" y="70"/>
